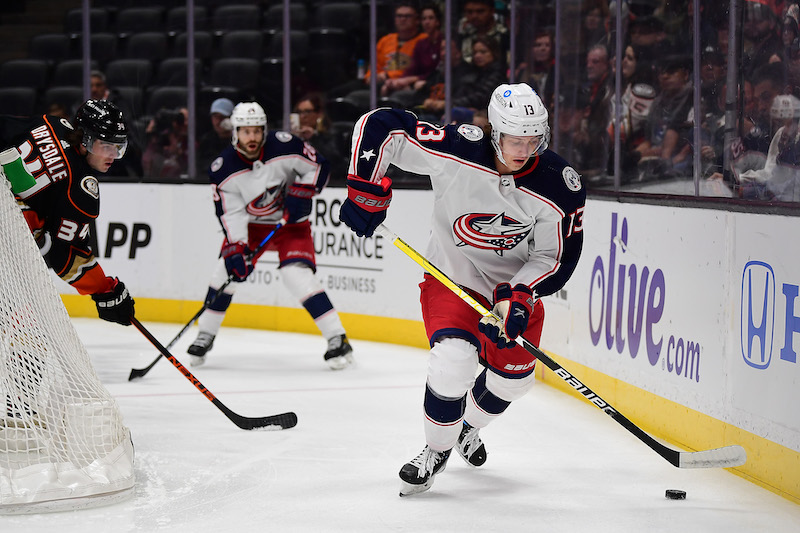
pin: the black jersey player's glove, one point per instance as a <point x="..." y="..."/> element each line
<point x="366" y="204"/>
<point x="514" y="307"/>
<point x="298" y="203"/>
<point x="115" y="305"/>
<point x="237" y="260"/>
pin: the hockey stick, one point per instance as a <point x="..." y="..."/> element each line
<point x="725" y="457"/>
<point x="140" y="372"/>
<point x="281" y="421"/>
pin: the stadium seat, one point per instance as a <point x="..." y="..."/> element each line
<point x="139" y="19"/>
<point x="98" y="20"/>
<point x="17" y="101"/>
<point x="24" y="73"/>
<point x="343" y="15"/>
<point x="132" y="101"/>
<point x="241" y="73"/>
<point x="165" y="98"/>
<point x="52" y="47"/>
<point x="150" y="45"/>
<point x="103" y="47"/>
<point x="328" y="39"/>
<point x="298" y="16"/>
<point x="176" y="19"/>
<point x="328" y="68"/>
<point x="69" y="96"/>
<point x="130" y="72"/>
<point x="203" y="45"/>
<point x="242" y="43"/>
<point x="70" y="72"/>
<point x="299" y="45"/>
<point x="172" y="72"/>
<point x="234" y="17"/>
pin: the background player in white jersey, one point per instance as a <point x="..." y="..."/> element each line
<point x="506" y="226"/>
<point x="262" y="179"/>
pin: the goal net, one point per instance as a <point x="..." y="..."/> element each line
<point x="62" y="441"/>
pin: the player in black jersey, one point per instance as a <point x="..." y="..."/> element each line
<point x="62" y="196"/>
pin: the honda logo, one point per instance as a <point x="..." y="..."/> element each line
<point x="757" y="313"/>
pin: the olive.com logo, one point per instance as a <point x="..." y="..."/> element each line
<point x="766" y="318"/>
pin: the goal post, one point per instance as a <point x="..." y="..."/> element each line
<point x="63" y="444"/>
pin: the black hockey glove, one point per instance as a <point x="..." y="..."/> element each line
<point x="297" y="203"/>
<point x="237" y="260"/>
<point x="115" y="305"/>
<point x="366" y="204"/>
<point x="514" y="307"/>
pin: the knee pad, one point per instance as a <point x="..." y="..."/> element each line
<point x="451" y="367"/>
<point x="300" y="281"/>
<point x="508" y="389"/>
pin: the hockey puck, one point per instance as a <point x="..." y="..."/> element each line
<point x="674" y="494"/>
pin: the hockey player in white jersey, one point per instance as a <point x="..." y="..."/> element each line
<point x="262" y="179"/>
<point x="506" y="226"/>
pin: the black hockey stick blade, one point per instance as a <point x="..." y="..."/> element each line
<point x="279" y="421"/>
<point x="141" y="372"/>
<point x="725" y="457"/>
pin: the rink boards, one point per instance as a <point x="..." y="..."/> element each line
<point x="686" y="320"/>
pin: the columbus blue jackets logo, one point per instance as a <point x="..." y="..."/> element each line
<point x="485" y="231"/>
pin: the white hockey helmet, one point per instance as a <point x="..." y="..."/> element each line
<point x="785" y="106"/>
<point x="517" y="110"/>
<point x="247" y="114"/>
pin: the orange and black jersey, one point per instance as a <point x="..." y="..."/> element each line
<point x="62" y="204"/>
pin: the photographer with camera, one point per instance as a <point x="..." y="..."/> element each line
<point x="167" y="145"/>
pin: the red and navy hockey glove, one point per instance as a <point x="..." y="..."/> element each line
<point x="514" y="307"/>
<point x="115" y="305"/>
<point x="366" y="204"/>
<point x="237" y="260"/>
<point x="297" y="204"/>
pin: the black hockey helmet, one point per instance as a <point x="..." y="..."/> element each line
<point x="102" y="120"/>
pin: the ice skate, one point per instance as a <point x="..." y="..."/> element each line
<point x="340" y="353"/>
<point x="417" y="475"/>
<point x="470" y="446"/>
<point x="199" y="347"/>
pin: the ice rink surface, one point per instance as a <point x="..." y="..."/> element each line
<point x="555" y="463"/>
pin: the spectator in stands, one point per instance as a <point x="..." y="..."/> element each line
<point x="131" y="163"/>
<point x="760" y="34"/>
<point x="538" y="69"/>
<point x="487" y="73"/>
<point x="219" y="137"/>
<point x="166" y="155"/>
<point x="593" y="16"/>
<point x="99" y="90"/>
<point x="314" y="127"/>
<point x="57" y="109"/>
<point x="426" y="54"/>
<point x="768" y="82"/>
<point x="574" y="140"/>
<point x="599" y="90"/>
<point x="779" y="179"/>
<point x="712" y="77"/>
<point x="666" y="149"/>
<point x="430" y="98"/>
<point x="742" y="150"/>
<point x="395" y="50"/>
<point x="637" y="98"/>
<point x="789" y="26"/>
<point x="479" y="20"/>
<point x="649" y="32"/>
